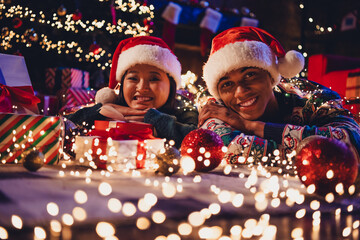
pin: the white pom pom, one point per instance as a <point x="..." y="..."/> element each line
<point x="105" y="95"/>
<point x="291" y="64"/>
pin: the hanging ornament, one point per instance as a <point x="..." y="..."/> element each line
<point x="204" y="4"/>
<point x="326" y="162"/>
<point x="31" y="35"/>
<point x="77" y="15"/>
<point x="61" y="11"/>
<point x="148" y="24"/>
<point x="33" y="159"/>
<point x="18" y="53"/>
<point x="95" y="48"/>
<point x="245" y="11"/>
<point x="204" y="147"/>
<point x="5" y="31"/>
<point x="168" y="160"/>
<point x="17" y="22"/>
<point x="194" y="2"/>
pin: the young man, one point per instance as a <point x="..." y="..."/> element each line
<point x="260" y="106"/>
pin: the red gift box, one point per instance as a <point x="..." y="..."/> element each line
<point x="118" y="140"/>
<point x="16" y="92"/>
<point x="75" y="97"/>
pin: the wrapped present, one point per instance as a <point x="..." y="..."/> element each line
<point x="120" y="145"/>
<point x="20" y="132"/>
<point x="353" y="85"/>
<point x="49" y="104"/>
<point x="75" y="97"/>
<point x="64" y="78"/>
<point x="16" y="92"/>
<point x="354" y="107"/>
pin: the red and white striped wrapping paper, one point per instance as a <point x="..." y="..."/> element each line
<point x="69" y="77"/>
<point x="20" y="132"/>
<point x="75" y="97"/>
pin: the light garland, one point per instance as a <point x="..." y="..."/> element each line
<point x="8" y="37"/>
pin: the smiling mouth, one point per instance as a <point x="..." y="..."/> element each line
<point x="142" y="98"/>
<point x="248" y="103"/>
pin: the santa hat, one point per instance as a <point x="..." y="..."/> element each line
<point x="139" y="50"/>
<point x="240" y="47"/>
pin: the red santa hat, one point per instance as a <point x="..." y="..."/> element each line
<point x="240" y="47"/>
<point x="139" y="50"/>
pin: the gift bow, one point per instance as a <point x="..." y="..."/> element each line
<point x="121" y="134"/>
<point x="20" y="95"/>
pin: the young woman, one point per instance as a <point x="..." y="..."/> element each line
<point x="260" y="105"/>
<point x="144" y="77"/>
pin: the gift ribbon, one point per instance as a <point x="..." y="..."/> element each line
<point x="22" y="95"/>
<point x="121" y="134"/>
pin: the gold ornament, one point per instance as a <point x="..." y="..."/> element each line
<point x="168" y="160"/>
<point x="61" y="11"/>
<point x="33" y="159"/>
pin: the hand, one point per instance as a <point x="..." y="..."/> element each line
<point x="214" y="110"/>
<point x="122" y="113"/>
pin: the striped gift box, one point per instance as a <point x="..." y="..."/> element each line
<point x="75" y="97"/>
<point x="64" y="78"/>
<point x="353" y="85"/>
<point x="21" y="132"/>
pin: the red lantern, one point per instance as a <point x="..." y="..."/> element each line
<point x="204" y="147"/>
<point x="326" y="162"/>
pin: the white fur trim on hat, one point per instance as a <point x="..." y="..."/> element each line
<point x="105" y="95"/>
<point x="153" y="55"/>
<point x="172" y="13"/>
<point x="237" y="55"/>
<point x="211" y="20"/>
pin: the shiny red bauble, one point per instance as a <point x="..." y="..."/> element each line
<point x="204" y="147"/>
<point x="326" y="162"/>
<point x="77" y="15"/>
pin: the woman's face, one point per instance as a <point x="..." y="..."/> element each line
<point x="145" y="86"/>
<point x="247" y="91"/>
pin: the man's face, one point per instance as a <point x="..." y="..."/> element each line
<point x="246" y="91"/>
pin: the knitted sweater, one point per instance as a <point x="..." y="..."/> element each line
<point x="172" y="126"/>
<point x="306" y="109"/>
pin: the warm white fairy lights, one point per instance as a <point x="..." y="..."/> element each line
<point x="67" y="23"/>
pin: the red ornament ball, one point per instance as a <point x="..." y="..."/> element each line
<point x="95" y="48"/>
<point x="204" y="147"/>
<point x="326" y="162"/>
<point x="77" y="15"/>
<point x="17" y="22"/>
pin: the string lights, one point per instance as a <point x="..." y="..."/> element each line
<point x="30" y="37"/>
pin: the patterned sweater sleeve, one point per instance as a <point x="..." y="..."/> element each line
<point x="172" y="127"/>
<point x="323" y="114"/>
<point x="242" y="148"/>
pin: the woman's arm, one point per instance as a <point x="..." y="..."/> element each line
<point x="170" y="127"/>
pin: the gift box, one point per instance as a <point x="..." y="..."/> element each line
<point x="119" y="145"/>
<point x="49" y="104"/>
<point x="20" y="132"/>
<point x="353" y="85"/>
<point x="354" y="107"/>
<point x="75" y="97"/>
<point x="16" y="92"/>
<point x="64" y="78"/>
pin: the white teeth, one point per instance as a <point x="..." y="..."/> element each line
<point x="248" y="103"/>
<point x="143" y="98"/>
